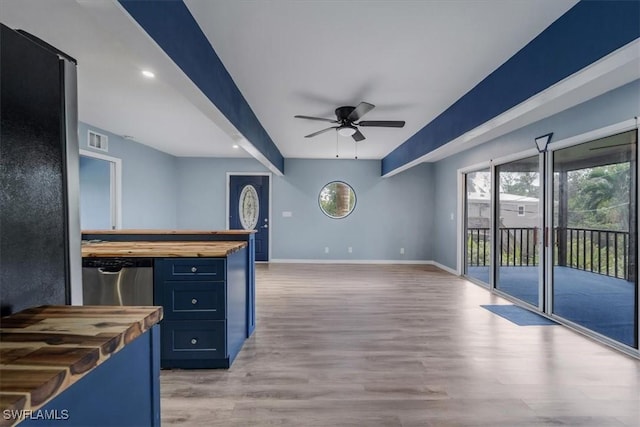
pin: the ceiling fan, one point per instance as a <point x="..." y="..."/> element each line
<point x="346" y="118"/>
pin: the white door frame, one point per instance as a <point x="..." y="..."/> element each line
<point x="227" y="210"/>
<point x="115" y="186"/>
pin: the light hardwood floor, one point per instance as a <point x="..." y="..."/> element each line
<point x="381" y="345"/>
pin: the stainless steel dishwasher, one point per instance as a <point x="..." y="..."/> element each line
<point x="117" y="281"/>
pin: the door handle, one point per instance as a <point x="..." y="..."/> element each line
<point x="265" y="226"/>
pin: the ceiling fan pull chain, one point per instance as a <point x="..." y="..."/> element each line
<point x="356" y="150"/>
<point x="337" y="156"/>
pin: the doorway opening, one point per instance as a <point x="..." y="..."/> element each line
<point x="100" y="191"/>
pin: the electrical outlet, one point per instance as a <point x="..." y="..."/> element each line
<point x="326" y="249"/>
<point x="350" y="249"/>
<point x="451" y="216"/>
<point x="401" y="251"/>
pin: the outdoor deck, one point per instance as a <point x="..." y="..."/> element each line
<point x="604" y="304"/>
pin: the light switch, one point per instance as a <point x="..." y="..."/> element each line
<point x="287" y="214"/>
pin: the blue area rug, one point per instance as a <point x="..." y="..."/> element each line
<point x="518" y="315"/>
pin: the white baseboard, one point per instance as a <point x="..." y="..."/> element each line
<point x="349" y="261"/>
<point x="365" y="261"/>
<point x="443" y="267"/>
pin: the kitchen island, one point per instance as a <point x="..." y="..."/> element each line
<point x="80" y="366"/>
<point x="202" y="286"/>
<point x="163" y="235"/>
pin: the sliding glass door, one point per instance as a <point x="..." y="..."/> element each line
<point x="595" y="284"/>
<point x="477" y="214"/>
<point x="517" y="227"/>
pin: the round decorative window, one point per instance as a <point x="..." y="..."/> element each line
<point x="249" y="207"/>
<point x="337" y="199"/>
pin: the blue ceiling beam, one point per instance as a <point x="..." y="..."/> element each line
<point x="174" y="29"/>
<point x="586" y="33"/>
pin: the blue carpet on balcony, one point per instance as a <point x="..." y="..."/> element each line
<point x="603" y="304"/>
<point x="518" y="315"/>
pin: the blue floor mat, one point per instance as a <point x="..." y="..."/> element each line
<point x="518" y="315"/>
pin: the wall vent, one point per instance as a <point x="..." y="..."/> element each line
<point x="98" y="141"/>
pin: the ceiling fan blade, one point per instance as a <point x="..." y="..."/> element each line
<point x="316" y="118"/>
<point x="362" y="109"/>
<point x="320" y="131"/>
<point x="383" y="123"/>
<point x="358" y="136"/>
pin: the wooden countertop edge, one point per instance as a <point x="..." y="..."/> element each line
<point x="162" y="249"/>
<point x="176" y="232"/>
<point x="113" y="343"/>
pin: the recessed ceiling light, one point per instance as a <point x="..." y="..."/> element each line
<point x="236" y="146"/>
<point x="148" y="74"/>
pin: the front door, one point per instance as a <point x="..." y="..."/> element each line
<point x="249" y="209"/>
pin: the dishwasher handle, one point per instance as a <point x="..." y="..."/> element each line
<point x="110" y="270"/>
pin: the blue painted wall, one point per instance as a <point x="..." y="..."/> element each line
<point x="612" y="107"/>
<point x="201" y="194"/>
<point x="148" y="181"/>
<point x="95" y="194"/>
<point x="390" y="213"/>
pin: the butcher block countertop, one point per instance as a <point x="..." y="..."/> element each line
<point x="160" y="249"/>
<point x="44" y="350"/>
<point x="159" y="231"/>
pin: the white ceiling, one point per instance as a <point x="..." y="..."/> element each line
<point x="412" y="59"/>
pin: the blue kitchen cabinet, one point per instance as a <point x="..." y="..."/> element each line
<point x="205" y="303"/>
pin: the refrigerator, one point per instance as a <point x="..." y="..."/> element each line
<point x="40" y="258"/>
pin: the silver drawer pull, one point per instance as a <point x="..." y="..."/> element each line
<point x="194" y="301"/>
<point x="194" y="341"/>
<point x="193" y="269"/>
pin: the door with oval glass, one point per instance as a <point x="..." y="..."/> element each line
<point x="249" y="209"/>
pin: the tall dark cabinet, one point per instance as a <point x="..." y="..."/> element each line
<point x="39" y="215"/>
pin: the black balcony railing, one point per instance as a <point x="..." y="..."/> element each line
<point x="598" y="251"/>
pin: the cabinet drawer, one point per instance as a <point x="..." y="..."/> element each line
<point x="193" y="340"/>
<point x="194" y="300"/>
<point x="193" y="268"/>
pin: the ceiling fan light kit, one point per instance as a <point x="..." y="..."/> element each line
<point x="346" y="130"/>
<point x="346" y="118"/>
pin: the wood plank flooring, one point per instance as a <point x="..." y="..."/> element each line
<point x="383" y="345"/>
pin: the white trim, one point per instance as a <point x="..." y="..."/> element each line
<point x="476" y="167"/>
<point x="621" y="60"/>
<point x="637" y="183"/>
<point x="613" y="129"/>
<point x="546" y="292"/>
<point x="544" y="226"/>
<point x="443" y="267"/>
<point x="531" y="152"/>
<point x="270" y="223"/>
<point x="493" y="233"/>
<point x="115" y="185"/>
<point x="365" y="261"/>
<point x="461" y="237"/>
<point x="460" y="228"/>
<point x="349" y="261"/>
